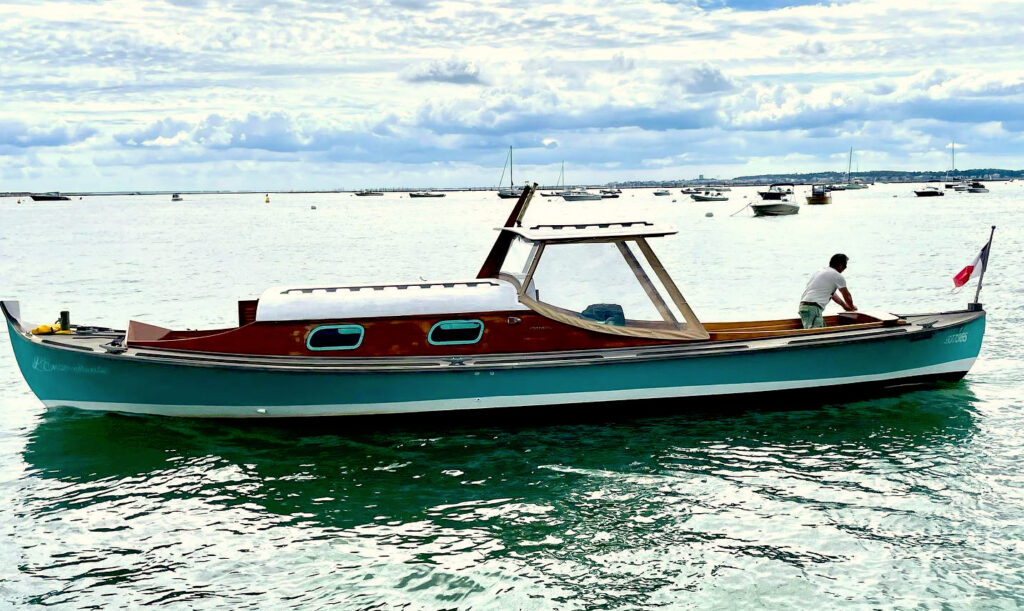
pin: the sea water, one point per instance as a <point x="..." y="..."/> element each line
<point x="911" y="500"/>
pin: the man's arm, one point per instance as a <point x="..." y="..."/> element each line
<point x="846" y="305"/>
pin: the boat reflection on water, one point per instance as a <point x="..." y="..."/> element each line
<point x="404" y="470"/>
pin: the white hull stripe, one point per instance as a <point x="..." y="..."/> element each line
<point x="435" y="405"/>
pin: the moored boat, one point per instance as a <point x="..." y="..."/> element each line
<point x="782" y="207"/>
<point x="487" y="342"/>
<point x="52" y="196"/>
<point x="369" y="193"/>
<point x="929" y="191"/>
<point x="426" y="194"/>
<point x="777" y="190"/>
<point x="176" y="197"/>
<point x="580" y="195"/>
<point x="976" y="187"/>
<point x="819" y="196"/>
<point x="708" y="196"/>
<point x="511" y="191"/>
<point x="662" y="192"/>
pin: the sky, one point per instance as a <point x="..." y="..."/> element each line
<point x="310" y="94"/>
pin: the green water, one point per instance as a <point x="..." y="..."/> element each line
<point x="906" y="501"/>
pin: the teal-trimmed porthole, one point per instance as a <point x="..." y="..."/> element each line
<point x="451" y="332"/>
<point x="335" y="337"/>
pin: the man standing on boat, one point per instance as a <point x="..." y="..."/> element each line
<point x="822" y="287"/>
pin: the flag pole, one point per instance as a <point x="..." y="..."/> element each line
<point x="984" y="267"/>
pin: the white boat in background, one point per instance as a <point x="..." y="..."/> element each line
<point x="976" y="187"/>
<point x="580" y="195"/>
<point x="782" y="207"/>
<point x="426" y="194"/>
<point x="852" y="184"/>
<point x="559" y="186"/>
<point x="662" y="192"/>
<point x="929" y="191"/>
<point x="777" y="191"/>
<point x="709" y="196"/>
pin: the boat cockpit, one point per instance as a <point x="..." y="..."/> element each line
<point x="637" y="279"/>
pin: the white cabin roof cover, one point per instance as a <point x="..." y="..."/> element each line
<point x="362" y="301"/>
<point x="570" y="233"/>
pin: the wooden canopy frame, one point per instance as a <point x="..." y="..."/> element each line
<point x="620" y="234"/>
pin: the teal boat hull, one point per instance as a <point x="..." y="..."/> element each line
<point x="164" y="383"/>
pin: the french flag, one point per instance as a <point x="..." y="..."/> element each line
<point x="975" y="269"/>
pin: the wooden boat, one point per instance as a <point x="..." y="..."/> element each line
<point x="780" y="208"/>
<point x="929" y="191"/>
<point x="777" y="190"/>
<point x="487" y="342"/>
<point x="819" y="196"/>
<point x="369" y="193"/>
<point x="426" y="194"/>
<point x="53" y="196"/>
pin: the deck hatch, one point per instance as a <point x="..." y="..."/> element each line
<point x="453" y="332"/>
<point x="335" y="337"/>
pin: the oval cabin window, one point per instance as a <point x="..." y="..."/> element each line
<point x="448" y="332"/>
<point x="335" y="337"/>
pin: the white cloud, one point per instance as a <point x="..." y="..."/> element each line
<point x="613" y="85"/>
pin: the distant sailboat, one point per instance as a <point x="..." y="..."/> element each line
<point x="952" y="168"/>
<point x="561" y="183"/>
<point x="849" y="183"/>
<point x="512" y="192"/>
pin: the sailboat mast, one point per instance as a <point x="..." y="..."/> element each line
<point x="954" y="157"/>
<point x="511" y="183"/>
<point x="849" y="164"/>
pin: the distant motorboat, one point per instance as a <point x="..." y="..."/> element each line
<point x="580" y="195"/>
<point x="961" y="186"/>
<point x="609" y="194"/>
<point x="426" y="194"/>
<point x="708" y="196"/>
<point x="780" y="208"/>
<point x="777" y="190"/>
<point x="176" y="197"/>
<point x="819" y="196"/>
<point x="976" y="187"/>
<point x="689" y="191"/>
<point x="368" y="193"/>
<point x="719" y="188"/>
<point x="52" y="196"/>
<point x="929" y="191"/>
<point x="661" y="192"/>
